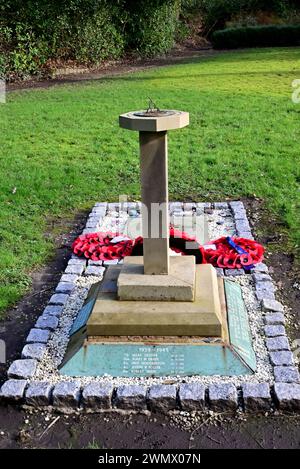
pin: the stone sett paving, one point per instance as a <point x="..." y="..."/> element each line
<point x="33" y="379"/>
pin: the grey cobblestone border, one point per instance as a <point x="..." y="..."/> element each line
<point x="69" y="395"/>
<point x="162" y="398"/>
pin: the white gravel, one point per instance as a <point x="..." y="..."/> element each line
<point x="220" y="223"/>
<point x="116" y="221"/>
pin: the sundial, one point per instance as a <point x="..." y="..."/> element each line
<point x="153" y="111"/>
<point x="159" y="315"/>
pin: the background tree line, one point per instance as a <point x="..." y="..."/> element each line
<point x="35" y="33"/>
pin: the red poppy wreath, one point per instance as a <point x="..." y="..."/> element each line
<point x="225" y="252"/>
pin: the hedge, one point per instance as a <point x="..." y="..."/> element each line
<point x="34" y="33"/>
<point x="215" y="13"/>
<point x="257" y="36"/>
<point x="152" y="26"/>
<point x="37" y="34"/>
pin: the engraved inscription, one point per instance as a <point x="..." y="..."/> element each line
<point x="153" y="360"/>
<point x="239" y="329"/>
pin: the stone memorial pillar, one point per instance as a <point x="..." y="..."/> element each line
<point x="179" y="273"/>
<point x="159" y="315"/>
<point x="156" y="294"/>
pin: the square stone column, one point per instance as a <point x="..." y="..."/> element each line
<point x="154" y="188"/>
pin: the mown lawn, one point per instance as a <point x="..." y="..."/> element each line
<point x="62" y="150"/>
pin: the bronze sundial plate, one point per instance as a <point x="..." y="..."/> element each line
<point x="154" y="113"/>
<point x="156" y="121"/>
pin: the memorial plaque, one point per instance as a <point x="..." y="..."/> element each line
<point x="85" y="312"/>
<point x="142" y="360"/>
<point x="238" y="323"/>
<point x="78" y="331"/>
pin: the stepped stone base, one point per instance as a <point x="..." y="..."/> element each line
<point x="201" y="317"/>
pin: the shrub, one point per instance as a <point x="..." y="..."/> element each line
<point x="34" y="33"/>
<point x="216" y="13"/>
<point x="256" y="36"/>
<point x="152" y="26"/>
<point x="22" y="53"/>
<point x="98" y="39"/>
<point x="87" y="31"/>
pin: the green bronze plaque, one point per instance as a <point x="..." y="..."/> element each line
<point x="238" y="323"/>
<point x="85" y="312"/>
<point x="136" y="360"/>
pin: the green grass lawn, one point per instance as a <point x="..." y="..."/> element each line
<point x="62" y="150"/>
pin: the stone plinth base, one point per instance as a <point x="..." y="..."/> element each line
<point x="178" y="285"/>
<point x="201" y="317"/>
